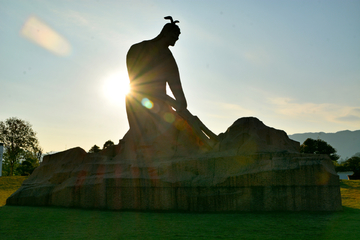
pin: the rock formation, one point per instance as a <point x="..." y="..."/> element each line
<point x="252" y="168"/>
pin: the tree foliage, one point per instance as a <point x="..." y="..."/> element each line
<point x="353" y="164"/>
<point x="350" y="164"/>
<point x="108" y="144"/>
<point x="318" y="147"/>
<point x="94" y="149"/>
<point x="19" y="141"/>
<point x="29" y="163"/>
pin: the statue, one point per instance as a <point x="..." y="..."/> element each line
<point x="151" y="65"/>
<point x="152" y="120"/>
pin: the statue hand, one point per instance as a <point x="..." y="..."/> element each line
<point x="182" y="107"/>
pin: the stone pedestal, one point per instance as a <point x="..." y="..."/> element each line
<point x="227" y="179"/>
<point x="257" y="182"/>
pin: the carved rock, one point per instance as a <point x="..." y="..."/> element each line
<point x="253" y="168"/>
<point x="250" y="135"/>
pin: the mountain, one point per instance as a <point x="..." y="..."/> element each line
<point x="346" y="143"/>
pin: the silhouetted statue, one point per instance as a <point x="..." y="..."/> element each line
<point x="156" y="130"/>
<point x="150" y="66"/>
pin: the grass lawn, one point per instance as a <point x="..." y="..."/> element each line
<point x="65" y="223"/>
<point x="8" y="185"/>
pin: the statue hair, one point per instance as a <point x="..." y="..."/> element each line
<point x="169" y="27"/>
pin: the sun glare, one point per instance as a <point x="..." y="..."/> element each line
<point x="116" y="86"/>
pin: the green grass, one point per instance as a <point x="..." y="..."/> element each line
<point x="65" y="223"/>
<point x="350" y="193"/>
<point x="8" y="185"/>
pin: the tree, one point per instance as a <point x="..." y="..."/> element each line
<point x="28" y="165"/>
<point x="319" y="147"/>
<point x="353" y="164"/>
<point x="108" y="144"/>
<point x="6" y="168"/>
<point x="94" y="149"/>
<point x="350" y="164"/>
<point x="18" y="137"/>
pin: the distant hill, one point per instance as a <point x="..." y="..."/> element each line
<point x="346" y="143"/>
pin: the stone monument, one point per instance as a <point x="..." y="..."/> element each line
<point x="169" y="160"/>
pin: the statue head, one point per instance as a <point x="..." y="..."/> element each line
<point x="170" y="31"/>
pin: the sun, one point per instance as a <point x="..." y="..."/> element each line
<point x="116" y="87"/>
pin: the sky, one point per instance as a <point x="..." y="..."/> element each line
<point x="295" y="65"/>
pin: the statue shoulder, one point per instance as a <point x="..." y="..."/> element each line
<point x="139" y="49"/>
<point x="137" y="46"/>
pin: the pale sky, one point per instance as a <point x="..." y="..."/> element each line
<point x="295" y="65"/>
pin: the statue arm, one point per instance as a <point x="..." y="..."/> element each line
<point x="175" y="84"/>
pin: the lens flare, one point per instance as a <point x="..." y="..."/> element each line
<point x="180" y="124"/>
<point x="38" y="32"/>
<point x="322" y="178"/>
<point x="147" y="103"/>
<point x="169" y="117"/>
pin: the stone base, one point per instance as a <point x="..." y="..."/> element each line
<point x="213" y="182"/>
